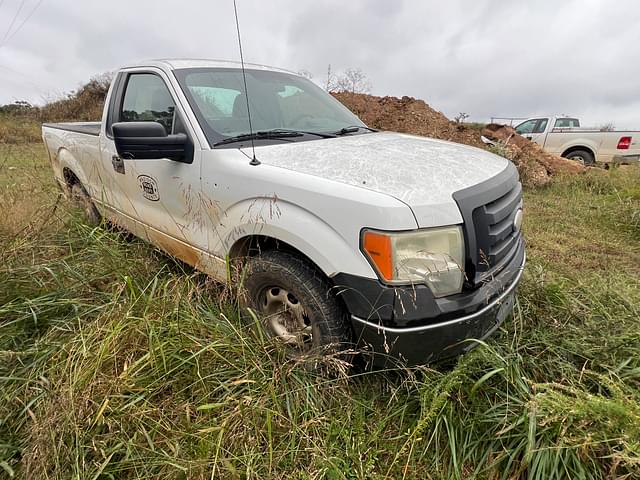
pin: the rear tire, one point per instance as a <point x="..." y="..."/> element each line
<point x="582" y="156"/>
<point x="82" y="200"/>
<point x="295" y="304"/>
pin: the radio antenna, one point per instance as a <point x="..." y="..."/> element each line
<point x="254" y="160"/>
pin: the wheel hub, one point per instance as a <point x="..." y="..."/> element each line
<point x="285" y="317"/>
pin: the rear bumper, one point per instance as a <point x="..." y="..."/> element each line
<point x="431" y="329"/>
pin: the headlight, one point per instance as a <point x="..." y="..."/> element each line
<point x="432" y="256"/>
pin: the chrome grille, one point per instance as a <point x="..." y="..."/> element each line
<point x="489" y="210"/>
<point x="495" y="235"/>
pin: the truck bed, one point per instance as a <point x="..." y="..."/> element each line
<point x="88" y="128"/>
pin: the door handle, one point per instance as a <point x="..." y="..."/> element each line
<point x="118" y="164"/>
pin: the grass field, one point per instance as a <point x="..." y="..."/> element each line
<point x="118" y="362"/>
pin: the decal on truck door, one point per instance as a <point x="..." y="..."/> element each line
<point x="149" y="187"/>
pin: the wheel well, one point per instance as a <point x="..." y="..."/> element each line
<point x="70" y="178"/>
<point x="570" y="150"/>
<point x="252" y="245"/>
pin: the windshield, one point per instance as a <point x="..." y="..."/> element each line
<point x="277" y="101"/>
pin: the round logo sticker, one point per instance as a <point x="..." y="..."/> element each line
<point x="149" y="187"/>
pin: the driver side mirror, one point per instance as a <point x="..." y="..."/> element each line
<point x="148" y="141"/>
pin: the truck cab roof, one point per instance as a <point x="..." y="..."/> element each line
<point x="180" y="63"/>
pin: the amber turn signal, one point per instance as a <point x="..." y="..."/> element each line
<point x="377" y="246"/>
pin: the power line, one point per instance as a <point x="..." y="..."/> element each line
<point x="15" y="17"/>
<point x="26" y="78"/>
<point x="9" y="35"/>
<point x="26" y="19"/>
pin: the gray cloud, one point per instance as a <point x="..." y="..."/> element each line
<point x="484" y="58"/>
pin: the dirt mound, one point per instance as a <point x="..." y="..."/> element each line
<point x="409" y="115"/>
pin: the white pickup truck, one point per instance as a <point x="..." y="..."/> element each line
<point x="563" y="136"/>
<point x="403" y="246"/>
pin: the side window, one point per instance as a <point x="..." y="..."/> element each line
<point x="542" y="125"/>
<point x="527" y="127"/>
<point x="147" y="99"/>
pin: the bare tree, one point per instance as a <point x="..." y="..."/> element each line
<point x="607" y="127"/>
<point x="353" y="80"/>
<point x="461" y="117"/>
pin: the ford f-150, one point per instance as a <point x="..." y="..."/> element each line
<point x="406" y="247"/>
<point x="563" y="136"/>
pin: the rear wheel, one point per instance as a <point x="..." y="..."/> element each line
<point x="82" y="200"/>
<point x="295" y="304"/>
<point x="583" y="156"/>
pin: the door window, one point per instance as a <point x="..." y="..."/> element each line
<point x="541" y="126"/>
<point x="536" y="125"/>
<point x="147" y="99"/>
<point x="527" y="127"/>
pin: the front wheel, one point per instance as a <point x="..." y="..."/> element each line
<point x="582" y="156"/>
<point x="296" y="304"/>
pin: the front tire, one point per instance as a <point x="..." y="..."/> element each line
<point x="582" y="156"/>
<point x="295" y="304"/>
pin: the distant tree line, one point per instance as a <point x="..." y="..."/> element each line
<point x="85" y="103"/>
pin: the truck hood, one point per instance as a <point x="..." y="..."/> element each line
<point x="421" y="172"/>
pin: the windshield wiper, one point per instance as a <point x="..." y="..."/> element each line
<point x="353" y="129"/>
<point x="275" y="133"/>
<point x="259" y="135"/>
<point x="301" y="132"/>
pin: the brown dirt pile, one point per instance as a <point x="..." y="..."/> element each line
<point x="409" y="115"/>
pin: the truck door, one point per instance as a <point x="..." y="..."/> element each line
<point x="155" y="199"/>
<point x="534" y="129"/>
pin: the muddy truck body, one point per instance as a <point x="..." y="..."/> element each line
<point x="407" y="247"/>
<point x="563" y="136"/>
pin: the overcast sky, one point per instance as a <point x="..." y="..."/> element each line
<point x="485" y="58"/>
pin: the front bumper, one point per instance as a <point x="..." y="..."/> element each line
<point x="422" y="329"/>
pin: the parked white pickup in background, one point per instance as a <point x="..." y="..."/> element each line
<point x="563" y="136"/>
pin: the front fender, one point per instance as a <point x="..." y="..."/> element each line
<point x="300" y="228"/>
